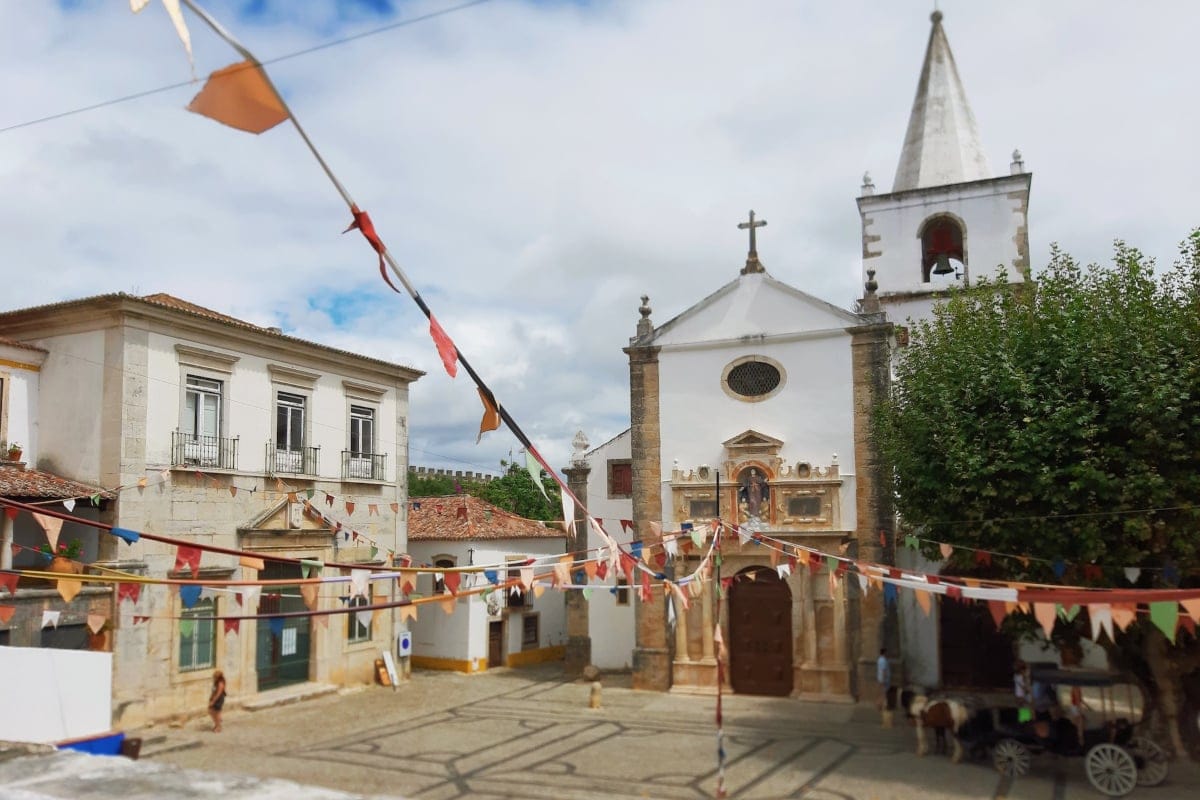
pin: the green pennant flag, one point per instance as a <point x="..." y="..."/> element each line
<point x="535" y="473"/>
<point x="1165" y="615"/>
<point x="1068" y="614"/>
<point x="308" y="566"/>
<point x="587" y="594"/>
<point x="95" y="499"/>
<point x="697" y="537"/>
<point x="831" y="562"/>
<point x="374" y="552"/>
<point x="186" y="626"/>
<point x="309" y="493"/>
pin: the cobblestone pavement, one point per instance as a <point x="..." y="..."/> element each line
<point x="528" y="734"/>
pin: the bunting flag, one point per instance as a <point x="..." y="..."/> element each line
<point x="186" y="556"/>
<point x="863" y="584"/>
<point x="241" y="97"/>
<point x="646" y="595"/>
<point x="784" y="570"/>
<point x="526" y="577"/>
<point x="52" y="526"/>
<point x="231" y="625"/>
<point x="998" y="611"/>
<point x="11" y="512"/>
<point x="539" y="589"/>
<point x="129" y="591"/>
<point x="568" y="507"/>
<point x="250" y="562"/>
<point x="9" y="581"/>
<point x="176" y="15"/>
<point x="925" y="601"/>
<point x="1165" y="616"/>
<point x="141" y="484"/>
<point x="372" y="509"/>
<point x="189" y="595"/>
<point x="359" y="579"/>
<point x="562" y="570"/>
<point x="535" y="473"/>
<point x="671" y="546"/>
<point x="491" y="416"/>
<point x="602" y="570"/>
<point x="350" y="507"/>
<point x="1192" y="607"/>
<point x="1132" y="574"/>
<point x="309" y="592"/>
<point x="6" y="613"/>
<point x="50" y="618"/>
<point x="249" y="598"/>
<point x="1046" y="614"/>
<point x="407" y="580"/>
<point x="445" y="348"/>
<point x="95" y="622"/>
<point x="68" y="588"/>
<point x="889" y="594"/>
<point x="1100" y="615"/>
<point x="626" y="525"/>
<point x="408" y="612"/>
<point x="452" y="580"/>
<point x="590" y="568"/>
<point x="69" y="504"/>
<point x="946" y="550"/>
<point x="127" y="535"/>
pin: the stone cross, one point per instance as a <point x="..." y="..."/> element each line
<point x="752" y="262"/>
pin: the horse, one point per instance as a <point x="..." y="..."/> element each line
<point x="941" y="714"/>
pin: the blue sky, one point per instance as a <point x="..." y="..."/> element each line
<point x="538" y="166"/>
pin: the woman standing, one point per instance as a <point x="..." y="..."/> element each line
<point x="216" y="700"/>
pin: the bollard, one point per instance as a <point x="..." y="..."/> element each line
<point x="594" y="696"/>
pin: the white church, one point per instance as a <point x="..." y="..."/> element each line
<point x="753" y="406"/>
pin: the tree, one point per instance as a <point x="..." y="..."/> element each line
<point x="515" y="491"/>
<point x="1061" y="421"/>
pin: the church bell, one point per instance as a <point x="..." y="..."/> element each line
<point x="943" y="265"/>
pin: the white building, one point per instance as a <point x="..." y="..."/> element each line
<point x="501" y="628"/>
<point x="229" y="425"/>
<point x="610" y="497"/>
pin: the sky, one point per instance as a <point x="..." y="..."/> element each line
<point x="536" y="166"/>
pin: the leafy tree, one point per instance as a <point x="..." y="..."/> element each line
<point x="421" y="485"/>
<point x="513" y="491"/>
<point x="1061" y="420"/>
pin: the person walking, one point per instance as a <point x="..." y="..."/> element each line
<point x="883" y="676"/>
<point x="216" y="700"/>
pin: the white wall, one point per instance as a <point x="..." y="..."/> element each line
<point x="69" y="405"/>
<point x="21" y="402"/>
<point x="48" y="694"/>
<point x="610" y="626"/>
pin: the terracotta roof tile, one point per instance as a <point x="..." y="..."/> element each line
<point x="4" y="340"/>
<point x="171" y="301"/>
<point x="18" y="483"/>
<point x="463" y="517"/>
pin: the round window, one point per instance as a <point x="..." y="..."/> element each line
<point x="753" y="379"/>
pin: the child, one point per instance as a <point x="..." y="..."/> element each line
<point x="216" y="701"/>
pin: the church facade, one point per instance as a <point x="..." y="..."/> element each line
<point x="753" y="406"/>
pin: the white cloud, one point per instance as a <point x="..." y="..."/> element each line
<point x="537" y="167"/>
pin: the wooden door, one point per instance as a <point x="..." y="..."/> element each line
<point x="496" y="644"/>
<point x="974" y="654"/>
<point x="760" y="634"/>
<point x="282" y="644"/>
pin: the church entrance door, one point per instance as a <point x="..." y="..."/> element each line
<point x="760" y="633"/>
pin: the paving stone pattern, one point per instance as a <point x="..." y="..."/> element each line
<point x="529" y="734"/>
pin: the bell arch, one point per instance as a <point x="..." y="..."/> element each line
<point x="943" y="239"/>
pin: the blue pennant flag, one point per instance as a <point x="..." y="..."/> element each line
<point x="276" y="624"/>
<point x="889" y="594"/>
<point x="491" y="575"/>
<point x="189" y="595"/>
<point x="687" y="526"/>
<point x="1060" y="568"/>
<point x="635" y="550"/>
<point x="129" y="536"/>
<point x="578" y="577"/>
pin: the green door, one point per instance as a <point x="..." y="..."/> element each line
<point x="282" y="643"/>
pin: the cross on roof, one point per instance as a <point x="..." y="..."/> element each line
<point x="752" y="262"/>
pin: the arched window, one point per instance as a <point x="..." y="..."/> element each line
<point x="943" y="248"/>
<point x="442" y="562"/>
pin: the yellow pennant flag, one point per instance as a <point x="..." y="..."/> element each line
<point x="309" y="592"/>
<point x="408" y="612"/>
<point x="95" y="622"/>
<point x="67" y="588"/>
<point x="448" y="604"/>
<point x="924" y="600"/>
<point x="539" y="590"/>
<point x="240" y="96"/>
<point x="250" y="562"/>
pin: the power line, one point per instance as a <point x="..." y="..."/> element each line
<point x="323" y="46"/>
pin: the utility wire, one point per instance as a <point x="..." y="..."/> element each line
<point x="295" y="54"/>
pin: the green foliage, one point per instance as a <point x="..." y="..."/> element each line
<point x="514" y="491"/>
<point x="429" y="485"/>
<point x="1044" y="419"/>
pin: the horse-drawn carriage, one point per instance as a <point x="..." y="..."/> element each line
<point x="1115" y="758"/>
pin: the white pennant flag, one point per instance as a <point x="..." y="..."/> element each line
<point x="863" y="584"/>
<point x="671" y="613"/>
<point x="1132" y="574"/>
<point x="671" y="546"/>
<point x="1101" y="616"/>
<point x="784" y="570"/>
<point x="568" y="506"/>
<point x="250" y="598"/>
<point x="50" y="618"/>
<point x="744" y="535"/>
<point x="69" y="504"/>
<point x="364" y="618"/>
<point x="358" y="582"/>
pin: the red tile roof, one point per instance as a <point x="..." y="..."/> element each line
<point x="18" y="483"/>
<point x="463" y="517"/>
<point x="171" y="301"/>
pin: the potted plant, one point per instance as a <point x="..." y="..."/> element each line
<point x="64" y="558"/>
<point x="14" y="451"/>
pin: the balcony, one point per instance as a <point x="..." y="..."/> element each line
<point x="363" y="466"/>
<point x="297" y="461"/>
<point x="205" y="452"/>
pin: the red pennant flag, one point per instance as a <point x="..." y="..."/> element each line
<point x="241" y="97"/>
<point x="1187" y="623"/>
<point x="660" y="559"/>
<point x="187" y="557"/>
<point x="999" y="612"/>
<point x="627" y="565"/>
<point x="983" y="558"/>
<point x="647" y="594"/>
<point x="954" y="592"/>
<point x="626" y="525"/>
<point x="231" y="625"/>
<point x="11" y="512"/>
<point x="139" y="620"/>
<point x="291" y="497"/>
<point x="328" y="499"/>
<point x="452" y="581"/>
<point x="350" y="508"/>
<point x="129" y="591"/>
<point x="1092" y="572"/>
<point x="814" y="566"/>
<point x="9" y="581"/>
<point x="602" y="570"/>
<point x="445" y="347"/>
<point x="362" y="222"/>
<point x="6" y="613"/>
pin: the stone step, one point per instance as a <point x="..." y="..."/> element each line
<point x="287" y="695"/>
<point x="160" y="744"/>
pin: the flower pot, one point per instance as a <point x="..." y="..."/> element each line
<point x="14" y="454"/>
<point x="65" y="566"/>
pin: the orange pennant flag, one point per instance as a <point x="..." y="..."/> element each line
<point x="1192" y="607"/>
<point x="6" y="613"/>
<point x="407" y="612"/>
<point x="1046" y="613"/>
<point x="491" y="416"/>
<point x="142" y="482"/>
<point x="95" y="622"/>
<point x="448" y="604"/>
<point x="999" y="612"/>
<point x="233" y="491"/>
<point x="924" y="600"/>
<point x="309" y="592"/>
<point x="539" y="589"/>
<point x="446" y="349"/>
<point x="407" y="580"/>
<point x="250" y="562"/>
<point x="241" y="97"/>
<point x="67" y="589"/>
<point x="1123" y="614"/>
<point x="590" y="568"/>
<point x="320" y="620"/>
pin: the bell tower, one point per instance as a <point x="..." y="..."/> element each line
<point x="946" y="221"/>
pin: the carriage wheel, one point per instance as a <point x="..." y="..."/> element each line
<point x="1151" y="759"/>
<point x="1011" y="757"/>
<point x="1111" y="769"/>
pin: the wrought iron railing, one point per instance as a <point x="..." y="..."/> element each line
<point x="369" y="466"/>
<point x="192" y="450"/>
<point x="296" y="461"/>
